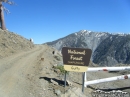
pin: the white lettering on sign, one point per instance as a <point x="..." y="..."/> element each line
<point x="76" y="52"/>
<point x="75" y="58"/>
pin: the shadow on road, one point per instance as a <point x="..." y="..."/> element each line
<point x="60" y="82"/>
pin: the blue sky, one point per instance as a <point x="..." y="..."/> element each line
<point x="48" y="20"/>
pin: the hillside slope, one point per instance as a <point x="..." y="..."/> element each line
<point x="113" y="50"/>
<point x="11" y="43"/>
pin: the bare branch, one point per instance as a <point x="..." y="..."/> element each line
<point x="8" y="1"/>
<point x="6" y="10"/>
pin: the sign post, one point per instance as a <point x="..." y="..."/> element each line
<point x="76" y="59"/>
<point x="65" y="80"/>
<point x="83" y="75"/>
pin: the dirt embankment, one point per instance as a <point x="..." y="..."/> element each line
<point x="11" y="43"/>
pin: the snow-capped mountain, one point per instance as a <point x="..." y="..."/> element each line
<point x="107" y="49"/>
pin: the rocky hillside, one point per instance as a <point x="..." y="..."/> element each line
<point x="11" y="43"/>
<point x="108" y="49"/>
<point x="113" y="50"/>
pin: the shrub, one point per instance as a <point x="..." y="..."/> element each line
<point x="61" y="68"/>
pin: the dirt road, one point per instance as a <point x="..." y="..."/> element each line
<point x="26" y="74"/>
<point x="18" y="72"/>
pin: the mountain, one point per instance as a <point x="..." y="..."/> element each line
<point x="113" y="50"/>
<point x="107" y="49"/>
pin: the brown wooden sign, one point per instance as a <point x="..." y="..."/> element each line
<point x="76" y="59"/>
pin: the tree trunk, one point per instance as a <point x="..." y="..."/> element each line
<point x="2" y="17"/>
